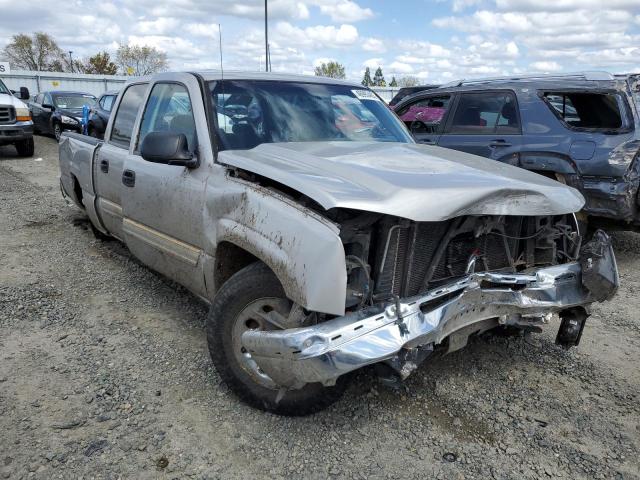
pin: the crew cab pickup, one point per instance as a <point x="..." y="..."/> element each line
<point x="322" y="236"/>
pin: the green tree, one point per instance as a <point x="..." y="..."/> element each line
<point x="331" y="69"/>
<point x="366" y="80"/>
<point x="378" y="79"/>
<point x="139" y="60"/>
<point x="393" y="82"/>
<point x="100" y="63"/>
<point x="38" y="52"/>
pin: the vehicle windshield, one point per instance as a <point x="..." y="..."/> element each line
<point x="255" y="112"/>
<point x="74" y="101"/>
<point x="4" y="89"/>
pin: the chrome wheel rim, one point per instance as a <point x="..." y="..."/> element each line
<point x="262" y="314"/>
<point x="57" y="131"/>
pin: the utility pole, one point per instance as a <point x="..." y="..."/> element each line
<point x="71" y="60"/>
<point x="266" y="38"/>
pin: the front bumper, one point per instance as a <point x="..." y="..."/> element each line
<point x="323" y="352"/>
<point x="15" y="132"/>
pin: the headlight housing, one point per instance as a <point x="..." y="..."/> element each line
<point x="69" y="120"/>
<point x="23" y="114"/>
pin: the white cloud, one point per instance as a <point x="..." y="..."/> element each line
<point x="373" y="63"/>
<point x="346" y="11"/>
<point x="399" y="67"/>
<point x="374" y="45"/>
<point x="159" y="26"/>
<point x="545" y="67"/>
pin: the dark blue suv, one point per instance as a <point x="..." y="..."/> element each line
<point x="579" y="129"/>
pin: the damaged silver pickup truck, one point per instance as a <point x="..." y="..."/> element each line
<point x="323" y="237"/>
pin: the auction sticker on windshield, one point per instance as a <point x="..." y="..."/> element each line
<point x="365" y="95"/>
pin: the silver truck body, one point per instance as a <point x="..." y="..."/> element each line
<point x="198" y="226"/>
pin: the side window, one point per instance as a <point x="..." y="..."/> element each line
<point x="47" y="99"/>
<point x="425" y="116"/>
<point x="486" y="114"/>
<point x="169" y="110"/>
<point x="126" y="115"/>
<point x="39" y="98"/>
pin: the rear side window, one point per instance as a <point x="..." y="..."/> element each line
<point x="486" y="114"/>
<point x="587" y="110"/>
<point x="126" y="115"/>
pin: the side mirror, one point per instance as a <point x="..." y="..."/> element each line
<point x="169" y="148"/>
<point x="49" y="106"/>
<point x="24" y="93"/>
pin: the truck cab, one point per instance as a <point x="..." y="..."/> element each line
<point x="16" y="126"/>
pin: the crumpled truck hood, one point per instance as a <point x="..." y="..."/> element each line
<point x="418" y="182"/>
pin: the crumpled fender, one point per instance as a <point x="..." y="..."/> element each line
<point x="302" y="248"/>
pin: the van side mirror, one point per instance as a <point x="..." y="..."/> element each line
<point x="169" y="148"/>
<point x="49" y="106"/>
<point x="24" y="93"/>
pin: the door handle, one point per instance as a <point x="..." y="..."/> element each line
<point x="129" y="178"/>
<point x="104" y="166"/>
<point x="499" y="143"/>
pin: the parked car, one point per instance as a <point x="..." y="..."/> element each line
<point x="582" y="130"/>
<point x="406" y="91"/>
<point x="99" y="115"/>
<point x="56" y="111"/>
<point x="16" y="127"/>
<point x="322" y="248"/>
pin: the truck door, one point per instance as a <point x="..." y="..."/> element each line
<point x="109" y="162"/>
<point x="164" y="204"/>
<point x="485" y="124"/>
<point x="425" y="117"/>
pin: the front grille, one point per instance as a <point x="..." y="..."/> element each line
<point x="417" y="256"/>
<point x="7" y="115"/>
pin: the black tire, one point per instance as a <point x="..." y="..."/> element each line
<point x="25" y="148"/>
<point x="57" y="131"/>
<point x="252" y="283"/>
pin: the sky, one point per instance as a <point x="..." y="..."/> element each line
<point x="434" y="40"/>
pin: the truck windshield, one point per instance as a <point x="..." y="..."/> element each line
<point x="3" y="88"/>
<point x="255" y="112"/>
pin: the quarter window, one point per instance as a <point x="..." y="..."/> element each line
<point x="107" y="102"/>
<point x="126" y="115"/>
<point x="587" y="110"/>
<point x="486" y="114"/>
<point x="169" y="110"/>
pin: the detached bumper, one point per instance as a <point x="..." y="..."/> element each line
<point x="323" y="352"/>
<point x="15" y="132"/>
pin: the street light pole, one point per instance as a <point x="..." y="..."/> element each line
<point x="71" y="60"/>
<point x="266" y="38"/>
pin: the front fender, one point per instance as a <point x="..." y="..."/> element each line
<point x="302" y="248"/>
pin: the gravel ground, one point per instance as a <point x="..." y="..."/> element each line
<point x="104" y="373"/>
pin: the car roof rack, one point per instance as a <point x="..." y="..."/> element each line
<point x="591" y="76"/>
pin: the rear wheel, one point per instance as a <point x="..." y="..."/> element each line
<point x="240" y="305"/>
<point x="25" y="148"/>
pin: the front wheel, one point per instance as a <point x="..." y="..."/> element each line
<point x="57" y="131"/>
<point x="25" y="148"/>
<point x="240" y="305"/>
